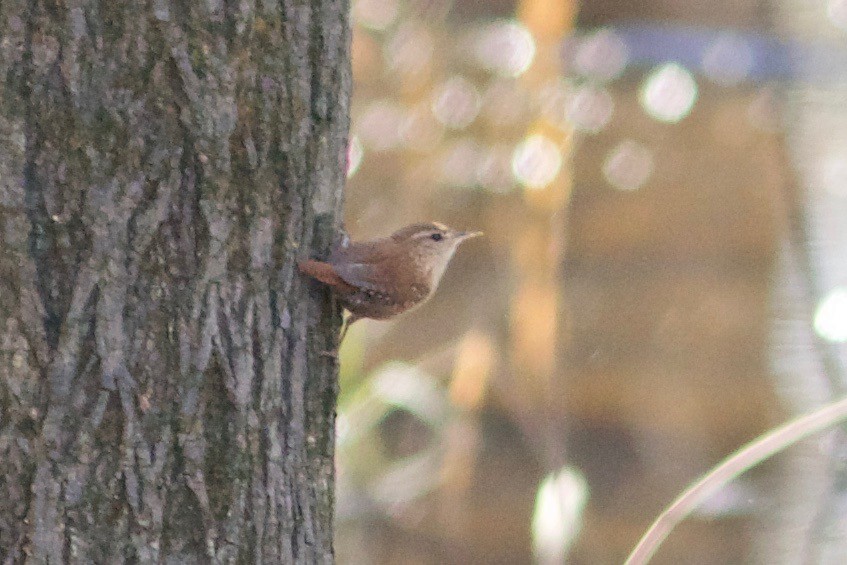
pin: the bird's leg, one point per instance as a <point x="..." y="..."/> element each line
<point x="347" y="322"/>
<point x="345" y="326"/>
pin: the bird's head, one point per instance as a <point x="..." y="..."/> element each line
<point x="431" y="245"/>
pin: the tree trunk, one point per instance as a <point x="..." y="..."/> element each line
<point x="163" y="392"/>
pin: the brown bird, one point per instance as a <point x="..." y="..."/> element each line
<point x="384" y="277"/>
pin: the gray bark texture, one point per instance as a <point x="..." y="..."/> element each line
<point x="164" y="392"/>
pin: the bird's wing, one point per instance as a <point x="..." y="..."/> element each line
<point x="325" y="273"/>
<point x="365" y="265"/>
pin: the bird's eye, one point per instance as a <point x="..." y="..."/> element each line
<point x="436" y="237"/>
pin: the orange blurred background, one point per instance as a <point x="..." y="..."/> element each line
<point x="643" y="302"/>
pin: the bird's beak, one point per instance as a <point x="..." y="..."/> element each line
<point x="462" y="235"/>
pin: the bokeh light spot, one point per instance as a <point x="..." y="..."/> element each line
<point x="459" y="163"/>
<point x="836" y="11"/>
<point x="506" y="48"/>
<point x="456" y="103"/>
<point x="668" y="93"/>
<point x="601" y="56"/>
<point x="494" y="169"/>
<point x="379" y="125"/>
<point x="628" y="166"/>
<point x="557" y="518"/>
<point x="590" y="108"/>
<point x="342" y="428"/>
<point x="536" y="161"/>
<point x="408" y="387"/>
<point x="419" y="130"/>
<point x="409" y="51"/>
<point x="728" y="60"/>
<point x="833" y="173"/>
<point x="831" y="316"/>
<point x="375" y="14"/>
<point x="355" y="153"/>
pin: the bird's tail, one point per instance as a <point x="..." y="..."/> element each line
<point x="325" y="273"/>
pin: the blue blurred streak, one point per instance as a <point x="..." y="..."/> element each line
<point x="771" y="57"/>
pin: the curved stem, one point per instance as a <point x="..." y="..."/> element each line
<point x="746" y="457"/>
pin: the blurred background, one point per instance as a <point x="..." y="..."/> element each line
<point x="663" y="188"/>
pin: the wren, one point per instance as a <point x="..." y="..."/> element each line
<point x="384" y="277"/>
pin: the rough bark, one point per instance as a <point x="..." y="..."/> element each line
<point x="163" y="392"/>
